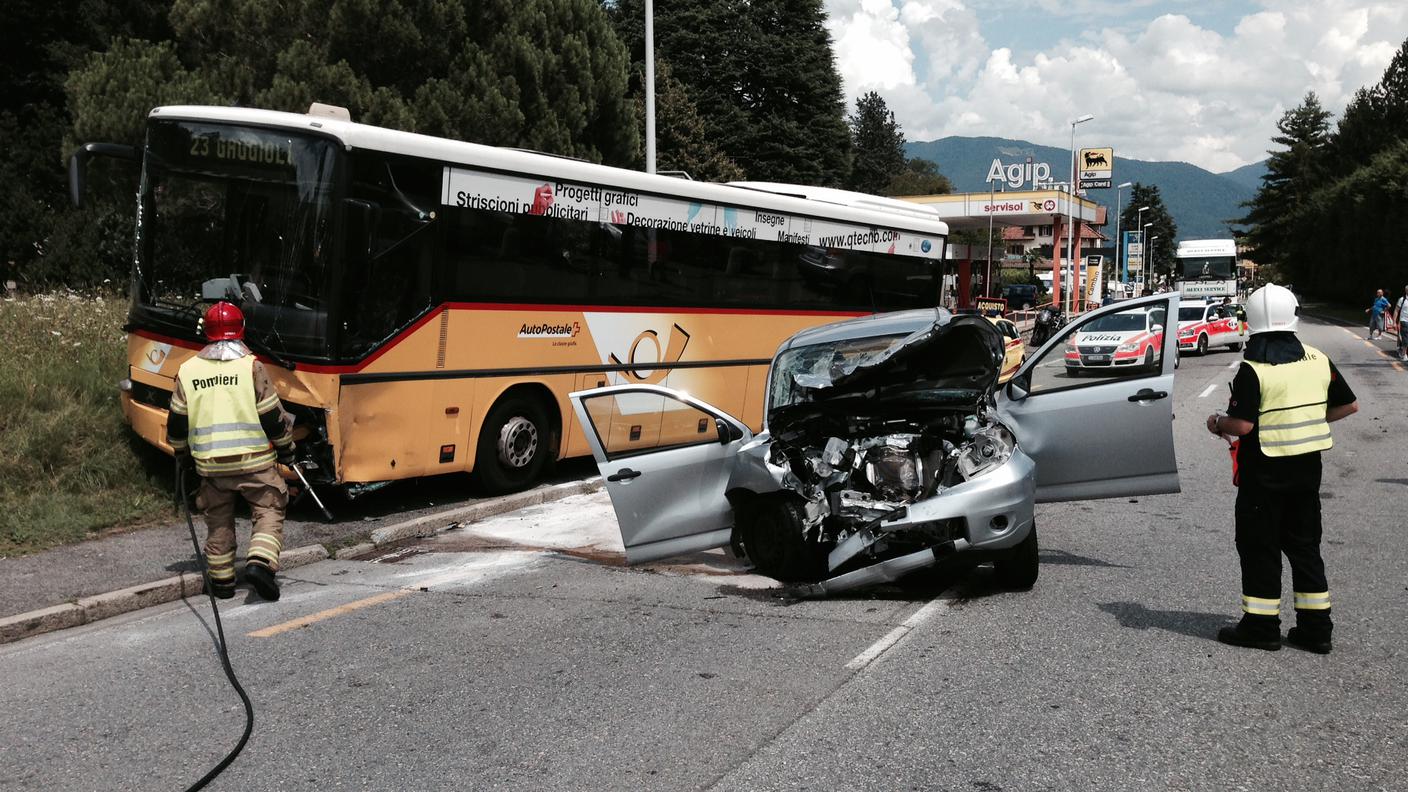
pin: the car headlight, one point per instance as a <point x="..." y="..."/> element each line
<point x="987" y="451"/>
<point x="1187" y="332"/>
<point x="1128" y="346"/>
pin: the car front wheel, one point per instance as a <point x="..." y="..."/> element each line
<point x="1202" y="345"/>
<point x="772" y="536"/>
<point x="1019" y="569"/>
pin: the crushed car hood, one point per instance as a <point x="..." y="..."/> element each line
<point x="952" y="363"/>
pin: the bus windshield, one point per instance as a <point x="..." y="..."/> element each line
<point x="241" y="214"/>
<point x="1206" y="267"/>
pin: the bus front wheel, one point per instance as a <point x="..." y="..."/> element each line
<point x="514" y="445"/>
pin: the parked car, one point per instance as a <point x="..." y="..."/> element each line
<point x="1014" y="351"/>
<point x="887" y="444"/>
<point x="1021" y="295"/>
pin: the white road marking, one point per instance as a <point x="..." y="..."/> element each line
<point x="1209" y="389"/>
<point x="893" y="637"/>
<point x="1234" y="364"/>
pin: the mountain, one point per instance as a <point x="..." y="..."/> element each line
<point x="1249" y="175"/>
<point x="1200" y="201"/>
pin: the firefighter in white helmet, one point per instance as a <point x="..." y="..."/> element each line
<point x="1284" y="398"/>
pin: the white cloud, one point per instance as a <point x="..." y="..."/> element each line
<point x="1163" y="88"/>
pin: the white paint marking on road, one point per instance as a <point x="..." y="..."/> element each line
<point x="1209" y="389"/>
<point x="893" y="637"/>
<point x="1234" y="364"/>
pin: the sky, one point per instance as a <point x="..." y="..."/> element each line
<point x="1194" y="81"/>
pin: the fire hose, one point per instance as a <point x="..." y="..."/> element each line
<point x="220" y="633"/>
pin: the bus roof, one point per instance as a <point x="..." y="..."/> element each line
<point x="1207" y="247"/>
<point x="791" y="199"/>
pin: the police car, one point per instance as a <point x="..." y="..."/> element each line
<point x="1125" y="340"/>
<point x="1203" y="325"/>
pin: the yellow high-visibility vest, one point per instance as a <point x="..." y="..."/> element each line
<point x="224" y="418"/>
<point x="1291" y="417"/>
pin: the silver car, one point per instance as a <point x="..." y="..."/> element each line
<point x="886" y="446"/>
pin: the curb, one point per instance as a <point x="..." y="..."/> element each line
<point x="115" y="603"/>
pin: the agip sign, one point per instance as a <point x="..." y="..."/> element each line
<point x="1018" y="174"/>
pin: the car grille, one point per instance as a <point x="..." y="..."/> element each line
<point x="1097" y="350"/>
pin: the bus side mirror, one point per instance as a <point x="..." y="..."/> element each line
<point x="78" y="165"/>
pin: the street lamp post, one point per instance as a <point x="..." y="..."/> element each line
<point x="1144" y="244"/>
<point x="1151" y="250"/>
<point x="1119" y="241"/>
<point x="1143" y="254"/>
<point x="1070" y="210"/>
<point x="649" y="86"/>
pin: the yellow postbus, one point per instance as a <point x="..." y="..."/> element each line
<point x="425" y="305"/>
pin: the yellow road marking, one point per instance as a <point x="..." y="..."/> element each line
<point x="313" y="618"/>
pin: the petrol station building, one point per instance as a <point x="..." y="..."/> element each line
<point x="1043" y="207"/>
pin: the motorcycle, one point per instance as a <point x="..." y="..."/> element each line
<point x="1048" y="321"/>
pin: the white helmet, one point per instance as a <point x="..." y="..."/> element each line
<point x="1272" y="308"/>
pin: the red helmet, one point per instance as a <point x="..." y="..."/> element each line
<point x="223" y="322"/>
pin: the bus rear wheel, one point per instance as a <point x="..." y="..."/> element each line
<point x="514" y="445"/>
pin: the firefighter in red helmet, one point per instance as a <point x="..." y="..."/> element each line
<point x="226" y="415"/>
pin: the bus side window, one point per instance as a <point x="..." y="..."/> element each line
<point x="389" y="286"/>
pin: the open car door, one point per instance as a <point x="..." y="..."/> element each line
<point x="1094" y="406"/>
<point x="666" y="458"/>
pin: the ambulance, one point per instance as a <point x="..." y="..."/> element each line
<point x="1204" y="325"/>
<point x="1120" y="341"/>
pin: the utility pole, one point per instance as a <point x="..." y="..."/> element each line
<point x="1070" y="210"/>
<point x="1119" y="240"/>
<point x="649" y="86"/>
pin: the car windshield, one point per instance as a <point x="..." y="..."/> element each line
<point x="1121" y="322"/>
<point x="1194" y="314"/>
<point x="805" y="368"/>
<point x="240" y="214"/>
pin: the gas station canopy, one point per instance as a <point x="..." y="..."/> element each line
<point x="1026" y="208"/>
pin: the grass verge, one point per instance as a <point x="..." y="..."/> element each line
<point x="69" y="466"/>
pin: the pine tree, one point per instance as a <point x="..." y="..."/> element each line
<point x="877" y="145"/>
<point x="763" y="77"/>
<point x="682" y="142"/>
<point x="1292" y="174"/>
<point x="1158" y="251"/>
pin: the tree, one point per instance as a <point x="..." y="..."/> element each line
<point x="1161" y="250"/>
<point x="682" y="142"/>
<point x="763" y="77"/>
<point x="542" y="74"/>
<point x="919" y="177"/>
<point x="877" y="145"/>
<point x="1292" y="173"/>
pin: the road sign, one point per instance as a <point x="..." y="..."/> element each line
<point x="1097" y="168"/>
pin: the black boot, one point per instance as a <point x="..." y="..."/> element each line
<point x="221" y="590"/>
<point x="1253" y="632"/>
<point x="262" y="579"/>
<point x="1312" y="631"/>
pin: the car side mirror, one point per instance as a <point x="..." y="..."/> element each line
<point x="727" y="434"/>
<point x="1016" y="388"/>
<point x="1158" y="328"/>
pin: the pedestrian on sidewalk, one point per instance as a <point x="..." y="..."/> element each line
<point x="1376" y="314"/>
<point x="1400" y="315"/>
<point x="226" y="414"/>
<point x="1284" y="398"/>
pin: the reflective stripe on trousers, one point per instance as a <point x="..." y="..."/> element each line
<point x="1261" y="606"/>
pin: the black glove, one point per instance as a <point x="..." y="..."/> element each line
<point x="285" y="455"/>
